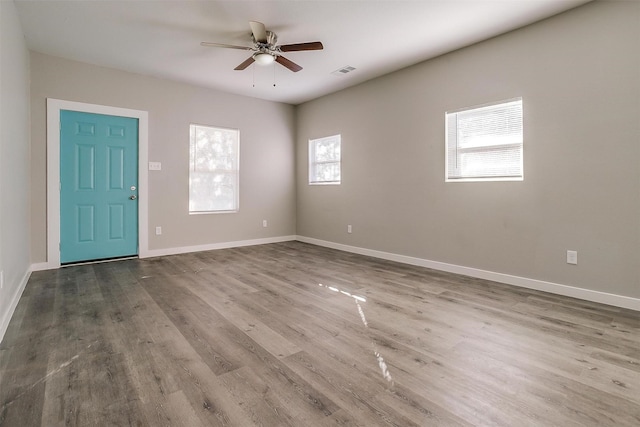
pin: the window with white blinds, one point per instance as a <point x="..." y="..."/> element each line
<point x="213" y="169"/>
<point x="324" y="160"/>
<point x="485" y="143"/>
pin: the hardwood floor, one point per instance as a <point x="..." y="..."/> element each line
<point x="292" y="334"/>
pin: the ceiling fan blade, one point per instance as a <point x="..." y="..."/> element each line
<point x="301" y="46"/>
<point x="289" y="64"/>
<point x="259" y="31"/>
<point x="245" y="64"/>
<point x="230" y="46"/>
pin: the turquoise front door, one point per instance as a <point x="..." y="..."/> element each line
<point x="98" y="186"/>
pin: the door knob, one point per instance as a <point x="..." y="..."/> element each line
<point x="133" y="197"/>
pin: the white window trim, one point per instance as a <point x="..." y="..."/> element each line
<point x="311" y="161"/>
<point x="483" y="179"/>
<point x="237" y="173"/>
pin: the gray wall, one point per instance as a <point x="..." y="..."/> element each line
<point x="267" y="182"/>
<point x="14" y="159"/>
<point x="579" y="76"/>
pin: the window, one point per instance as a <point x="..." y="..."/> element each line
<point x="324" y="160"/>
<point x="485" y="143"/>
<point x="213" y="169"/>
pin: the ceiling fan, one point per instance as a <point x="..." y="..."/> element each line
<point x="265" y="50"/>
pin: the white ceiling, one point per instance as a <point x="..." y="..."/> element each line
<point x="162" y="38"/>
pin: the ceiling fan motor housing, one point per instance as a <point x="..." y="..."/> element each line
<point x="269" y="46"/>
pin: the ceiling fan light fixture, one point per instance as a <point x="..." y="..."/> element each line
<point x="263" y="58"/>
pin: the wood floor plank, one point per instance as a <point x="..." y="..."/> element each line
<point x="238" y="347"/>
<point x="373" y="407"/>
<point x="261" y="403"/>
<point x="292" y="334"/>
<point x="25" y="359"/>
<point x="70" y="384"/>
<point x="251" y="325"/>
<point x="166" y="365"/>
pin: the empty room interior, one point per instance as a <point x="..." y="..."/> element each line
<point x="314" y="213"/>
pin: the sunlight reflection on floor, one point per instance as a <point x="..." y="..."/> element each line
<point x="358" y="299"/>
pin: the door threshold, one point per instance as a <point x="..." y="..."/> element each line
<point x="98" y="261"/>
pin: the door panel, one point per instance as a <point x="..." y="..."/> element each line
<point x="115" y="169"/>
<point x="85" y="219"/>
<point x="116" y="221"/>
<point x="98" y="168"/>
<point x="85" y="167"/>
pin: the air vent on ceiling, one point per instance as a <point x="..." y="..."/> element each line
<point x="342" y="71"/>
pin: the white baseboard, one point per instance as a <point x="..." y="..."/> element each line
<point x="213" y="246"/>
<point x="6" y="318"/>
<point x="524" y="282"/>
<point x="39" y="266"/>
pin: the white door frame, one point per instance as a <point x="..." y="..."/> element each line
<point x="53" y="171"/>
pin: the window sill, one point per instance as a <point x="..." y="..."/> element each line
<point x="325" y="183"/>
<point x="212" y="212"/>
<point x="497" y="179"/>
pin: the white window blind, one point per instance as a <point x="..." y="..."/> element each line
<point x="324" y="160"/>
<point x="485" y="143"/>
<point x="213" y="169"/>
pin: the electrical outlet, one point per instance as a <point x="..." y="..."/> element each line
<point x="264" y="222"/>
<point x="572" y="257"/>
<point x="155" y="166"/>
<point x="158" y="231"/>
<point x="349" y="229"/>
